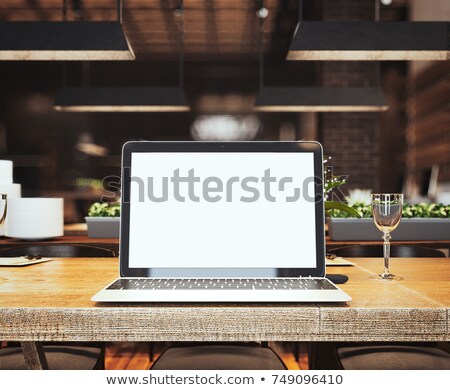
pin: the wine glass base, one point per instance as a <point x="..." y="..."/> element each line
<point x="386" y="277"/>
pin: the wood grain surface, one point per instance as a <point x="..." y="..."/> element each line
<point x="51" y="301"/>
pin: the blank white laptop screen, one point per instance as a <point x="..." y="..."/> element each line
<point x="224" y="210"/>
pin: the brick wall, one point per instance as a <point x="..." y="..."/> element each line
<point x="351" y="139"/>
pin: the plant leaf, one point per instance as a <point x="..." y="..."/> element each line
<point x="330" y="205"/>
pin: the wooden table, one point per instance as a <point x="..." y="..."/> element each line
<point x="51" y="302"/>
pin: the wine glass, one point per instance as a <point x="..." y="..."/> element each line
<point x="3" y="197"/>
<point x="387" y="212"/>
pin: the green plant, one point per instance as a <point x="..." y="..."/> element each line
<point x="330" y="183"/>
<point x="88" y="183"/>
<point x="103" y="209"/>
<point x="422" y="210"/>
<point x="333" y="206"/>
<point x="426" y="210"/>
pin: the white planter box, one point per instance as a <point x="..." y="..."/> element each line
<point x="103" y="227"/>
<point x="410" y="229"/>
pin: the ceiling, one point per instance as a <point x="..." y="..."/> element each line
<point x="221" y="40"/>
<point x="214" y="30"/>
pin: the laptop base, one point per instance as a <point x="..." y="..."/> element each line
<point x="222" y="295"/>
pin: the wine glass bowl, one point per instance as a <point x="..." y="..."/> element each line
<point x="387" y="213"/>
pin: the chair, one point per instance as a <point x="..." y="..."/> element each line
<point x="377" y="251"/>
<point x="219" y="357"/>
<point x="59" y="357"/>
<point x="388" y="357"/>
<point x="380" y="356"/>
<point x="75" y="356"/>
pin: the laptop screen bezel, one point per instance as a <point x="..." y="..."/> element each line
<point x="223" y="147"/>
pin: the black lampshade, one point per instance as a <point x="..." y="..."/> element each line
<point x="330" y="41"/>
<point x="321" y="99"/>
<point x="63" y="41"/>
<point x="125" y="99"/>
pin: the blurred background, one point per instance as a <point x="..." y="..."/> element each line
<point x="69" y="153"/>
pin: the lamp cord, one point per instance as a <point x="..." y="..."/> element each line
<point x="377" y="10"/>
<point x="119" y="11"/>
<point x="64" y="65"/>
<point x="300" y="11"/>
<point x="64" y="10"/>
<point x="261" y="46"/>
<point x="378" y="66"/>
<point x="181" y="42"/>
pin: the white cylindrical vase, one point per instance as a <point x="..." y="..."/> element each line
<point x="6" y="172"/>
<point x="35" y="218"/>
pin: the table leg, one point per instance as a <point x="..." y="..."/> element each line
<point x="34" y="355"/>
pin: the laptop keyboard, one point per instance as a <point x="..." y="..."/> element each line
<point x="222" y="284"/>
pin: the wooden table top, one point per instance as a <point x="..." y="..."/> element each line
<point x="51" y="301"/>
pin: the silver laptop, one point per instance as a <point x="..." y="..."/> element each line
<point x="222" y="222"/>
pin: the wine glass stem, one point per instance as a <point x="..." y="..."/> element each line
<point x="386" y="252"/>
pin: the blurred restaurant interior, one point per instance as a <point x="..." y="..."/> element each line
<point x="80" y="78"/>
<point x="224" y="56"/>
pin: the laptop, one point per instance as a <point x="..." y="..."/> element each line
<point x="222" y="222"/>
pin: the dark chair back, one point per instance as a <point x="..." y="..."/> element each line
<point x="53" y="250"/>
<point x="377" y="251"/>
